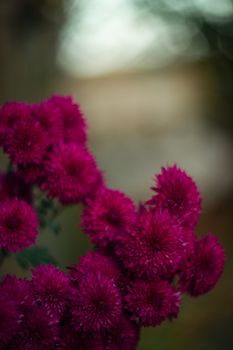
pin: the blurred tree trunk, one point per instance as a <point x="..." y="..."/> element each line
<point x="29" y="35"/>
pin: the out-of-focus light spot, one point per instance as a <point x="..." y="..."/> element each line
<point x="213" y="8"/>
<point x="104" y="36"/>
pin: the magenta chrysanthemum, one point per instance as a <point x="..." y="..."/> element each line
<point x="51" y="288"/>
<point x="70" y="339"/>
<point x="152" y="302"/>
<point x="124" y="336"/>
<point x="177" y="192"/>
<point x="71" y="174"/>
<point x="32" y="173"/>
<point x="144" y="257"/>
<point x="37" y="331"/>
<point x="96" y="304"/>
<point x="154" y="248"/>
<point x="203" y="267"/>
<point x="96" y="263"/>
<point x="12" y="185"/>
<point x="74" y="125"/>
<point x="11" y="284"/>
<point x="110" y="215"/>
<point x="18" y="225"/>
<point x="50" y="120"/>
<point x="10" y="114"/>
<point x="26" y="143"/>
<point x="9" y="319"/>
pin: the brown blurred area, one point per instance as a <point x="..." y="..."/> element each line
<point x="141" y="115"/>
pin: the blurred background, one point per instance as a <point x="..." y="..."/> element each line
<point x="154" y="79"/>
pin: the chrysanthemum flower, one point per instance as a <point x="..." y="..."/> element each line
<point x="178" y="193"/>
<point x="152" y="302"/>
<point x="18" y="225"/>
<point x="94" y="262"/>
<point x="109" y="216"/>
<point x="51" y="288"/>
<point x="74" y="125"/>
<point x="50" y="119"/>
<point x="32" y="173"/>
<point x="10" y="114"/>
<point x="154" y="248"/>
<point x="9" y="319"/>
<point x="71" y="339"/>
<point x="124" y="336"/>
<point x="71" y="174"/>
<point x="12" y="185"/>
<point x="24" y="295"/>
<point x="26" y="143"/>
<point x="203" y="267"/>
<point x="37" y="331"/>
<point x="96" y="304"/>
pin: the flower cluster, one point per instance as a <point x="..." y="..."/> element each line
<point x="145" y="256"/>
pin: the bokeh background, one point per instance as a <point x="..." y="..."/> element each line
<point x="155" y="81"/>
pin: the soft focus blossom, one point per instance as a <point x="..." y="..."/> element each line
<point x="36" y="331"/>
<point x="129" y="280"/>
<point x="176" y="192"/>
<point x="96" y="303"/>
<point x="152" y="302"/>
<point x="124" y="336"/>
<point x="24" y="295"/>
<point x="10" y="114"/>
<point x="18" y="225"/>
<point x="9" y="319"/>
<point x="73" y="122"/>
<point x="51" y="288"/>
<point x="32" y="173"/>
<point x="154" y="248"/>
<point x="26" y="142"/>
<point x="110" y="215"/>
<point x="50" y="120"/>
<point x="71" y="174"/>
<point x="97" y="263"/>
<point x="203" y="267"/>
<point x="12" y="185"/>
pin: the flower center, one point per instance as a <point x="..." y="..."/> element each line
<point x="12" y="223"/>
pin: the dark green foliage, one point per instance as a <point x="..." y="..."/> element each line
<point x="34" y="256"/>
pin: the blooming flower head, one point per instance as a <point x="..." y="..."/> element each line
<point x="94" y="262"/>
<point x="37" y="331"/>
<point x="51" y="288"/>
<point x="9" y="319"/>
<point x="110" y="215"/>
<point x="12" y="185"/>
<point x="74" y="125"/>
<point x="49" y="117"/>
<point x="177" y="193"/>
<point x="26" y="143"/>
<point x="18" y="225"/>
<point x="24" y="295"/>
<point x="203" y="267"/>
<point x="154" y="248"/>
<point x="10" y="114"/>
<point x="32" y="173"/>
<point x="124" y="336"/>
<point x="96" y="304"/>
<point x="71" y="174"/>
<point x="152" y="302"/>
<point x="128" y="281"/>
<point x="71" y="339"/>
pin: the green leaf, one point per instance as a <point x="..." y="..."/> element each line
<point x="34" y="256"/>
<point x="55" y="227"/>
